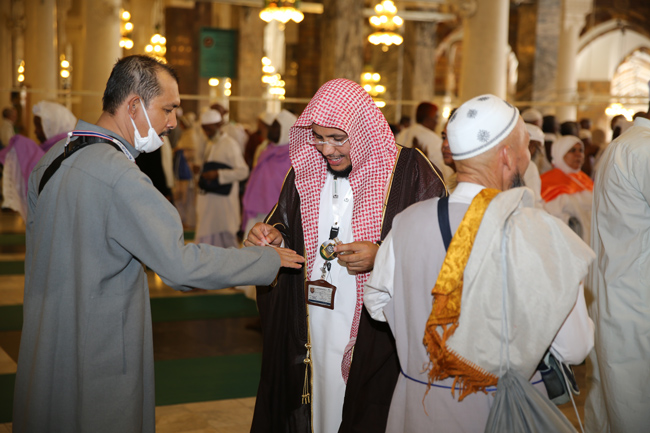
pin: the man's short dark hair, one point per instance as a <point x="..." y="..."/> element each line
<point x="6" y="113"/>
<point x="424" y="110"/>
<point x="136" y="74"/>
<point x="570" y="128"/>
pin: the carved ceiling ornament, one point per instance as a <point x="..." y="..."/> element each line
<point x="466" y="8"/>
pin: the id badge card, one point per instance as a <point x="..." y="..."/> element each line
<point x="320" y="293"/>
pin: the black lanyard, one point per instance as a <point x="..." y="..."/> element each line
<point x="443" y="221"/>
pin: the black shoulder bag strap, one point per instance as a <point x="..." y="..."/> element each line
<point x="69" y="149"/>
<point x="443" y="221"/>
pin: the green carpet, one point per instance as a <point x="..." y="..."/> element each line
<point x="12" y="267"/>
<point x="12" y="239"/>
<point x="182" y="381"/>
<point x="165" y="309"/>
<point x="11" y="317"/>
<point x="7" y="396"/>
<point x="206" y="379"/>
<point x="202" y="307"/>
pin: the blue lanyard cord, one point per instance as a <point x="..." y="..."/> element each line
<point x="122" y="147"/>
<point x="490" y="389"/>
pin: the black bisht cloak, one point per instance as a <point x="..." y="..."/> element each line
<point x="375" y="366"/>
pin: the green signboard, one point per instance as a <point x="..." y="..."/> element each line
<point x="218" y="55"/>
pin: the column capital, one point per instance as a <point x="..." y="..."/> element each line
<point x="575" y="11"/>
<point x="17" y="21"/>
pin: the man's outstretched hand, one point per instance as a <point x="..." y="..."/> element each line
<point x="266" y="235"/>
<point x="289" y="258"/>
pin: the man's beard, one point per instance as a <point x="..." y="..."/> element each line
<point x="517" y="181"/>
<point x="340" y="173"/>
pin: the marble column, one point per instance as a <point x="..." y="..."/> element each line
<point x="6" y="60"/>
<point x="41" y="50"/>
<point x="249" y="80"/>
<point x="102" y="49"/>
<point x="485" y="48"/>
<point x="546" y="49"/>
<point x="526" y="41"/>
<point x="143" y="25"/>
<point x="421" y="55"/>
<point x="573" y="19"/>
<point x="342" y="39"/>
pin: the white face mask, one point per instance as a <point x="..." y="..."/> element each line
<point x="149" y="143"/>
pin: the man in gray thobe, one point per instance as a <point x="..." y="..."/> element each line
<point x="618" y="396"/>
<point x="86" y="354"/>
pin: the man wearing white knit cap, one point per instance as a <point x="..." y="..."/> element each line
<point x="218" y="210"/>
<point x="498" y="233"/>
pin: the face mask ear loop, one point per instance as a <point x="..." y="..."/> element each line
<point x="146" y="115"/>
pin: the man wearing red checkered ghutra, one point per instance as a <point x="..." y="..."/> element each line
<point x="347" y="182"/>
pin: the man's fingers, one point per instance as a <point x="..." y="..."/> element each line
<point x="349" y="258"/>
<point x="289" y="258"/>
<point x="352" y="246"/>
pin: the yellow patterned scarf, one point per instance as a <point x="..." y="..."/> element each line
<point x="447" y="295"/>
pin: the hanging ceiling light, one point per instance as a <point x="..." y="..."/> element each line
<point x="281" y="10"/>
<point x="386" y="24"/>
<point x="157" y="48"/>
<point x="126" y="30"/>
<point x="272" y="79"/>
<point x="370" y="83"/>
<point x="615" y="109"/>
<point x="21" y="71"/>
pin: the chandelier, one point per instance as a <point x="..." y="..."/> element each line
<point x="126" y="30"/>
<point x="281" y="10"/>
<point x="272" y="79"/>
<point x="386" y="24"/>
<point x="615" y="109"/>
<point x="157" y="48"/>
<point x="21" y="71"/>
<point x="370" y="83"/>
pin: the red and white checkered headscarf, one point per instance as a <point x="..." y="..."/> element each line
<point x="344" y="105"/>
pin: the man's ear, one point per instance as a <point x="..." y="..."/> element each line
<point x="507" y="158"/>
<point x="134" y="101"/>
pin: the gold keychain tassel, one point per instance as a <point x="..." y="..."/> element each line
<point x="306" y="397"/>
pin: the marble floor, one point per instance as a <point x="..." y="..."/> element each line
<point x="232" y="416"/>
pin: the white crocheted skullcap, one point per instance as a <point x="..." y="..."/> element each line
<point x="531" y="115"/>
<point x="535" y="132"/>
<point x="210" y="117"/>
<point x="584" y="134"/>
<point x="267" y="117"/>
<point x="480" y="124"/>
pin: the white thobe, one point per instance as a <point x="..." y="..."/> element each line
<point x="534" y="182"/>
<point x="6" y="132"/>
<point x="572" y="343"/>
<point x="219" y="216"/>
<point x="13" y="185"/>
<point x="429" y="142"/>
<point x="618" y="398"/>
<point x="330" y="329"/>
<point x="578" y="206"/>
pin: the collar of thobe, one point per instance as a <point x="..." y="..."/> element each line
<point x="465" y="192"/>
